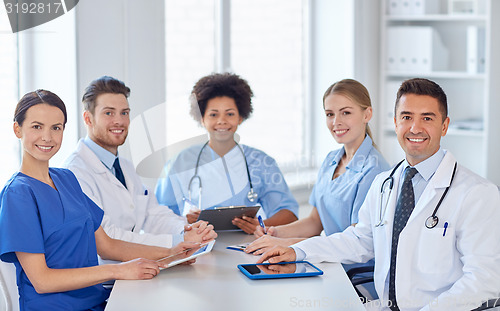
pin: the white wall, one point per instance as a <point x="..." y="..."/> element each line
<point x="47" y="60"/>
<point x="332" y="59"/>
<point x="124" y="39"/>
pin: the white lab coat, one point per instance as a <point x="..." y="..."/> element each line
<point x="433" y="272"/>
<point x="127" y="211"/>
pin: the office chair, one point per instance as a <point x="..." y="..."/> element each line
<point x="356" y="281"/>
<point x="8" y="287"/>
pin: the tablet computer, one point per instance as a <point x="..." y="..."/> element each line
<point x="221" y="217"/>
<point x="176" y="259"/>
<point x="292" y="269"/>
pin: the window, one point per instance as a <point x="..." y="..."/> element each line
<point x="9" y="153"/>
<point x="266" y="47"/>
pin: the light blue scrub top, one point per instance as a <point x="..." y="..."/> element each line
<point x="225" y="181"/>
<point x="338" y="200"/>
<point x="36" y="218"/>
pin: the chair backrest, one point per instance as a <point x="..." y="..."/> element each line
<point x="8" y="287"/>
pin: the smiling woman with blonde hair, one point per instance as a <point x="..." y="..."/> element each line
<point x="345" y="175"/>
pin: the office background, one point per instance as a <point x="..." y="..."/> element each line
<point x="290" y="51"/>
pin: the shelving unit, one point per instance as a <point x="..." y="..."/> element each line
<point x="471" y="95"/>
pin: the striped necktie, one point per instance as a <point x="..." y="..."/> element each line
<point x="404" y="207"/>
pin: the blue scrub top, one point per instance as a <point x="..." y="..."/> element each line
<point x="338" y="200"/>
<point x="225" y="180"/>
<point x="36" y="218"/>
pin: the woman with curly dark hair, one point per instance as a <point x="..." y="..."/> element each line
<point x="231" y="174"/>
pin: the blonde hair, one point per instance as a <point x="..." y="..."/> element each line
<point x="356" y="92"/>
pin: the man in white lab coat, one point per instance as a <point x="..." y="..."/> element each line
<point x="131" y="211"/>
<point x="447" y="262"/>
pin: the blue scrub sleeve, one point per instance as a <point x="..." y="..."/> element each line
<point x="20" y="228"/>
<point x="165" y="193"/>
<point x="95" y="211"/>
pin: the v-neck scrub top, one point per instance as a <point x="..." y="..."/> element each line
<point x="225" y="180"/>
<point x="338" y="200"/>
<point x="36" y="218"/>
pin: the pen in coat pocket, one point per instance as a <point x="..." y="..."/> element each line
<point x="445" y="227"/>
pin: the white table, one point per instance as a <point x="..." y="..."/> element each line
<point x="215" y="283"/>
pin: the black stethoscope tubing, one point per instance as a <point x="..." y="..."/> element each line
<point x="252" y="196"/>
<point x="432" y="220"/>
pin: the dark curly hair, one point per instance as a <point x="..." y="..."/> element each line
<point x="218" y="85"/>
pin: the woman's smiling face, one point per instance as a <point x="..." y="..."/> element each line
<point x="41" y="132"/>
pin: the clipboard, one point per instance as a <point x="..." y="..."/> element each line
<point x="221" y="217"/>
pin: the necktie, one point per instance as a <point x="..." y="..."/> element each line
<point x="404" y="207"/>
<point x="119" y="172"/>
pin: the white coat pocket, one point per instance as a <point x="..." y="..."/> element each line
<point x="435" y="250"/>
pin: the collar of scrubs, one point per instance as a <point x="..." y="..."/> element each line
<point x="358" y="160"/>
<point x="106" y="157"/>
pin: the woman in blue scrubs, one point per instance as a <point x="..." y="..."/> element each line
<point x="225" y="169"/>
<point x="51" y="230"/>
<point x="345" y="175"/>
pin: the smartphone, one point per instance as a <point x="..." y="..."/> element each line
<point x="292" y="269"/>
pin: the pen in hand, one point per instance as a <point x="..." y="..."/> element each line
<point x="261" y="222"/>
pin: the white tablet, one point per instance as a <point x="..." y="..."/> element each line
<point x="178" y="258"/>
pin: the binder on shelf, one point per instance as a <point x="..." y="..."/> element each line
<point x="405" y="7"/>
<point x="424" y="7"/>
<point x="476" y="49"/>
<point x="393" y="7"/>
<point x="394" y="49"/>
<point x="412" y="7"/>
<point x="416" y="49"/>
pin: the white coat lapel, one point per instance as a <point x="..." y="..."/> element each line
<point x="99" y="168"/>
<point x="435" y="188"/>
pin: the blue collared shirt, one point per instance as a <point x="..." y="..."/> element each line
<point x="106" y="157"/>
<point x="426" y="170"/>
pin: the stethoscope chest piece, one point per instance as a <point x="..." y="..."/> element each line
<point x="431" y="221"/>
<point x="252" y="195"/>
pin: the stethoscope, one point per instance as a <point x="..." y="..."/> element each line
<point x="251" y="195"/>
<point x="431" y="221"/>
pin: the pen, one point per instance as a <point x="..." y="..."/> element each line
<point x="445" y="227"/>
<point x="262" y="224"/>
